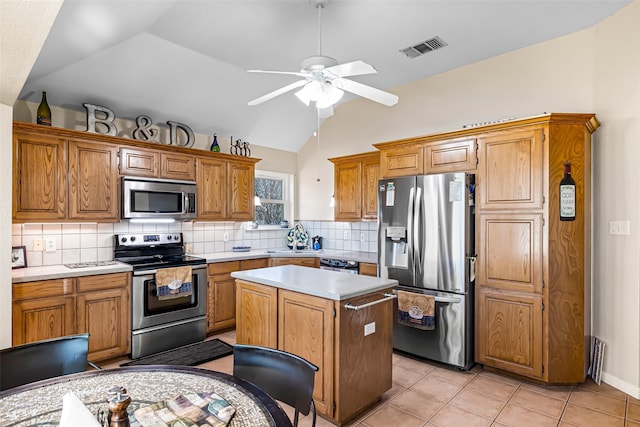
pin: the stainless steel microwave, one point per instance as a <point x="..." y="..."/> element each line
<point x="149" y="198"/>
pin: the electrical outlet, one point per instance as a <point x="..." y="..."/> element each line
<point x="38" y="245"/>
<point x="225" y="237"/>
<point x="347" y="235"/>
<point x="369" y="328"/>
<point x="188" y="247"/>
<point x="50" y="245"/>
<point x="363" y="237"/>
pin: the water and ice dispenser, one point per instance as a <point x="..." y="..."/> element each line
<point x="395" y="246"/>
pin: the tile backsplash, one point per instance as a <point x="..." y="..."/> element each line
<point x="94" y="242"/>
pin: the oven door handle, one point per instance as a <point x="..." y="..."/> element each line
<point x="151" y="272"/>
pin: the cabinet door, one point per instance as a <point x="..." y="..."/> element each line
<point x="42" y="318"/>
<point x="510" y="251"/>
<point x="348" y="187"/>
<point x="223" y="311"/>
<point x="139" y="162"/>
<point x="370" y="176"/>
<point x="178" y="166"/>
<point x="93" y="186"/>
<point x="212" y="189"/>
<point x="39" y="177"/>
<point x="306" y="328"/>
<point x="221" y="300"/>
<point x="509" y="331"/>
<point x="256" y="305"/>
<point x="401" y="161"/>
<point x="105" y="315"/>
<point x="510" y="170"/>
<point x="241" y="191"/>
<point x="450" y="156"/>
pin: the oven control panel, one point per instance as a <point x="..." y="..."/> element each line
<point x="151" y="239"/>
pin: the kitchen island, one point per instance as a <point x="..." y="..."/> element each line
<point x="340" y="322"/>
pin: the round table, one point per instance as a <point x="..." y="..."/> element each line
<point x="40" y="403"/>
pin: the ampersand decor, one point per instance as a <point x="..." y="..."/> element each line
<point x="144" y="132"/>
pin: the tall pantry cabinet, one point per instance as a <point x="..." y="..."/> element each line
<point x="533" y="272"/>
<point x="532" y="281"/>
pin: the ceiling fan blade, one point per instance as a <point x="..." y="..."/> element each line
<point x="292" y="73"/>
<point x="277" y="92"/>
<point x="324" y="113"/>
<point x="355" y="68"/>
<point x="365" y="91"/>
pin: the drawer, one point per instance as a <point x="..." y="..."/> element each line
<point x="43" y="288"/>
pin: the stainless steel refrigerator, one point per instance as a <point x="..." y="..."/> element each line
<point x="426" y="242"/>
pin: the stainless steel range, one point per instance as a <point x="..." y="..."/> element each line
<point x="157" y="323"/>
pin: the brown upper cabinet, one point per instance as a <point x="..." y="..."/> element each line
<point x="39" y="177"/>
<point x="356" y="186"/>
<point x="157" y="164"/>
<point x="93" y="181"/>
<point x="67" y="175"/>
<point x="225" y="188"/>
<point x="427" y="155"/>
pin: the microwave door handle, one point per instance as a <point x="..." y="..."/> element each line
<point x="185" y="205"/>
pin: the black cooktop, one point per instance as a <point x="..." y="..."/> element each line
<point x="150" y="251"/>
<point x="140" y="263"/>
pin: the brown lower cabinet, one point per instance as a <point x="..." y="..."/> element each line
<point x="355" y="370"/>
<point x="99" y="305"/>
<point x="312" y="262"/>
<point x="368" y="269"/>
<point x="221" y="292"/>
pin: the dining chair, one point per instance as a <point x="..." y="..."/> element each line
<point x="284" y="376"/>
<point x="45" y="359"/>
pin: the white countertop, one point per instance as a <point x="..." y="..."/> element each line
<point x="31" y="274"/>
<point x="47" y="272"/>
<point x="328" y="284"/>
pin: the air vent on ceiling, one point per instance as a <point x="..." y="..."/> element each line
<point x="432" y="44"/>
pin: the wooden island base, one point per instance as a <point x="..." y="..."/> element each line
<point x="352" y="348"/>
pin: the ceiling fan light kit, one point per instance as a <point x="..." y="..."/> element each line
<point x="324" y="80"/>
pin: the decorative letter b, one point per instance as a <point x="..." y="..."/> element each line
<point x="107" y="121"/>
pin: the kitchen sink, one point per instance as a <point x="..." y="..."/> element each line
<point x="291" y="251"/>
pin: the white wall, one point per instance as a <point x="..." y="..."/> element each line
<point x="616" y="259"/>
<point x="595" y="70"/>
<point x="24" y="26"/>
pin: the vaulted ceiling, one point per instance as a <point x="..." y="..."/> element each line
<point x="187" y="61"/>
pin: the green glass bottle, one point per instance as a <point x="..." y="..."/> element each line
<point x="43" y="114"/>
<point x="214" y="145"/>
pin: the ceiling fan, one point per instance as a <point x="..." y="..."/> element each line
<point x="324" y="79"/>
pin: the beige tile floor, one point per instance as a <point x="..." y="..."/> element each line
<point x="428" y="394"/>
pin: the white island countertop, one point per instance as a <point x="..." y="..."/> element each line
<point x="328" y="284"/>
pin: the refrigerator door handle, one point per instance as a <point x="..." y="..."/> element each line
<point x="410" y="215"/>
<point x="417" y="243"/>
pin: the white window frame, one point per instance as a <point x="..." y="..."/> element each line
<point x="287" y="194"/>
